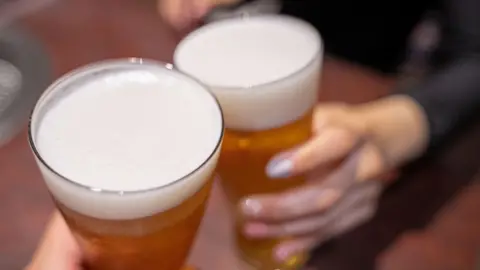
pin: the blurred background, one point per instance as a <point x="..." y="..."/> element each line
<point x="52" y="37"/>
<point x="46" y="39"/>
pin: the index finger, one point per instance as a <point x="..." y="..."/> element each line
<point x="330" y="145"/>
<point x="310" y="199"/>
<point x="58" y="248"/>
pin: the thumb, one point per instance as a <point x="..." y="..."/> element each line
<point x="372" y="164"/>
<point x="172" y="11"/>
<point x="58" y="249"/>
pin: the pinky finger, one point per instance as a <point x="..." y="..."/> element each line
<point x="287" y="250"/>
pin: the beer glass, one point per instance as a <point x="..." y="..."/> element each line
<point x="265" y="72"/>
<point x="127" y="149"/>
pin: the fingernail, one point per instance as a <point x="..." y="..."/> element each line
<point x="251" y="207"/>
<point x="284" y="253"/>
<point x="255" y="229"/>
<point x="279" y="168"/>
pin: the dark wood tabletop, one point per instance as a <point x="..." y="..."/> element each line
<point x="77" y="32"/>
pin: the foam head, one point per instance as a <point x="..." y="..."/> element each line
<point x="125" y="139"/>
<point x="264" y="69"/>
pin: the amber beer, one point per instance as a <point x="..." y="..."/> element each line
<point x="127" y="149"/>
<point x="265" y="72"/>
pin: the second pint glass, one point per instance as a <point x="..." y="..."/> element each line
<point x="128" y="149"/>
<point x="265" y="72"/>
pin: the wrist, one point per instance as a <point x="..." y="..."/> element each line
<point x="398" y="126"/>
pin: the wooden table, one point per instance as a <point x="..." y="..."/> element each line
<point x="76" y="32"/>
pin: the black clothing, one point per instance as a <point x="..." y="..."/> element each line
<point x="375" y="33"/>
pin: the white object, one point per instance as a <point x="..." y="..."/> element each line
<point x="24" y="75"/>
<point x="125" y="140"/>
<point x="264" y="70"/>
<point x="10" y="84"/>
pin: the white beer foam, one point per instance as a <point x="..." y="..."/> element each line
<point x="265" y="70"/>
<point x="123" y="128"/>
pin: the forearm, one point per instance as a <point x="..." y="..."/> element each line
<point x="398" y="126"/>
<point x="404" y="126"/>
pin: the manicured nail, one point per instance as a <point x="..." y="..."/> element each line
<point x="284" y="253"/>
<point x="279" y="168"/>
<point x="251" y="207"/>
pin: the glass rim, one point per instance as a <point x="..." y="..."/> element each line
<point x="267" y="17"/>
<point x="85" y="70"/>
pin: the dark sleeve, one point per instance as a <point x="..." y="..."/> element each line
<point x="451" y="95"/>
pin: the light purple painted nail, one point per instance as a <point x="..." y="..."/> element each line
<point x="279" y="168"/>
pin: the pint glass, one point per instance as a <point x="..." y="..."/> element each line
<point x="128" y="148"/>
<point x="265" y="72"/>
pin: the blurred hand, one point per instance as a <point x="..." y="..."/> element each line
<point x="183" y="13"/>
<point x="58" y="249"/>
<point x="350" y="151"/>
